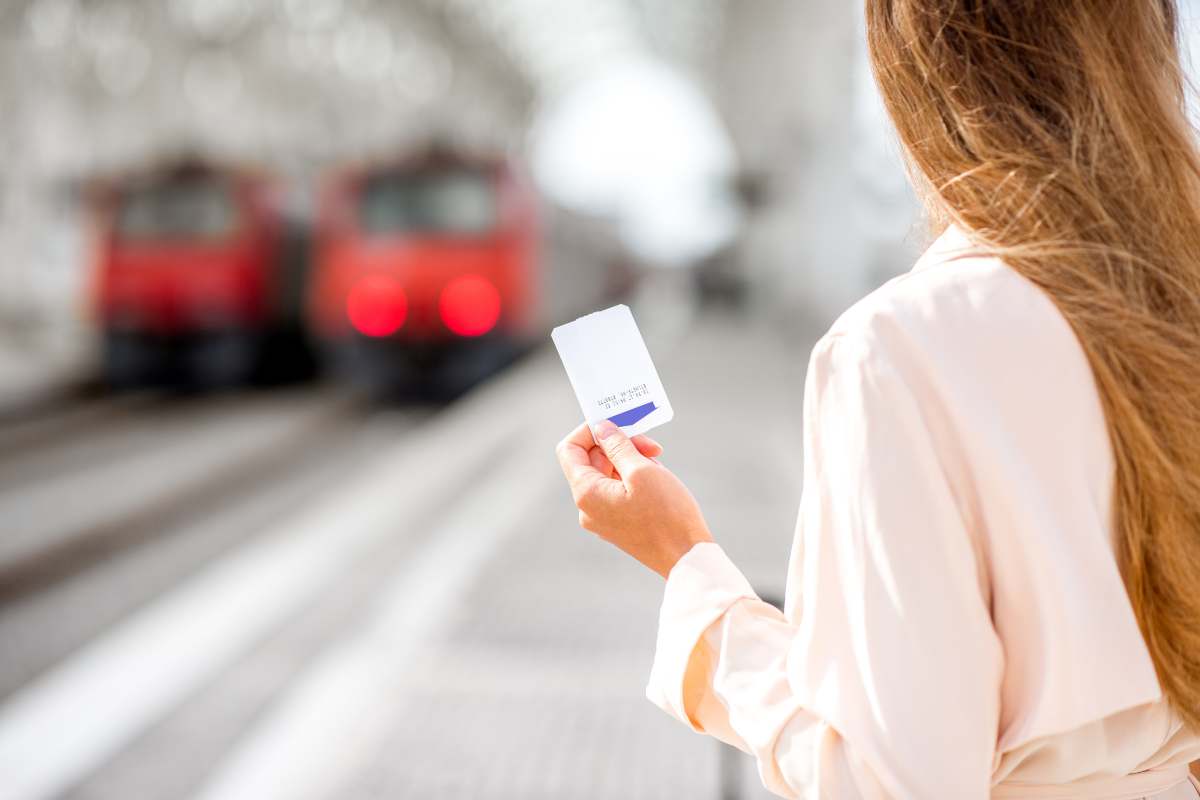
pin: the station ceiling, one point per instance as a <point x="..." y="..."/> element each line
<point x="104" y="83"/>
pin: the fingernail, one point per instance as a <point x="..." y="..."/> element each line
<point x="604" y="428"/>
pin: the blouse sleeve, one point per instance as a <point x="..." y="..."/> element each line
<point x="884" y="678"/>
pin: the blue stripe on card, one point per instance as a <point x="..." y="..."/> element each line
<point x="632" y="415"/>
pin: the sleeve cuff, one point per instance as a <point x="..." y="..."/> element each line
<point x="700" y="589"/>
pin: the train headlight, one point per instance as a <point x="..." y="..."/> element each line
<point x="377" y="306"/>
<point x="469" y="305"/>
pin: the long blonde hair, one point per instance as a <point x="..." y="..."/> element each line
<point x="1055" y="132"/>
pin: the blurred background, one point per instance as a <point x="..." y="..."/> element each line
<point x="279" y="513"/>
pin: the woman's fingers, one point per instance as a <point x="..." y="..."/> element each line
<point x="589" y="466"/>
<point x="647" y="446"/>
<point x="572" y="451"/>
<point x="621" y="451"/>
<point x="586" y="481"/>
<point x="601" y="462"/>
<point x="579" y="448"/>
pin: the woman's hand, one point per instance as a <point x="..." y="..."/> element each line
<point x="628" y="498"/>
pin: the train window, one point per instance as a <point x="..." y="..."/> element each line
<point x="453" y="203"/>
<point x="203" y="208"/>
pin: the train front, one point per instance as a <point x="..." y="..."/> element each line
<point x="188" y="275"/>
<point x="426" y="272"/>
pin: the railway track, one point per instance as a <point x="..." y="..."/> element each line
<point x="29" y="430"/>
<point x="133" y="467"/>
<point x="68" y="572"/>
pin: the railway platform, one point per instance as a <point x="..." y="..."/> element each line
<point x="388" y="602"/>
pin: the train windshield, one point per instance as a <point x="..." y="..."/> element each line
<point x="197" y="208"/>
<point x="450" y="203"/>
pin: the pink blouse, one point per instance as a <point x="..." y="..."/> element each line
<point x="955" y="623"/>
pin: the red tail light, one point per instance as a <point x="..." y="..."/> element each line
<point x="377" y="306"/>
<point x="470" y="305"/>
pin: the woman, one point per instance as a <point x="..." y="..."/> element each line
<point x="995" y="584"/>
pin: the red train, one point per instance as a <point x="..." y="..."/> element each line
<point x="426" y="270"/>
<point x="197" y="273"/>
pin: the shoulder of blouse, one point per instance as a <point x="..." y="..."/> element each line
<point x="952" y="304"/>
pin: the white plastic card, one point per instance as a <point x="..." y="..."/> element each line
<point x="611" y="371"/>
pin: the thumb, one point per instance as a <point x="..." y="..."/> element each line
<point x="622" y="452"/>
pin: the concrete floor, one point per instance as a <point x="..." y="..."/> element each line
<point x="404" y="609"/>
